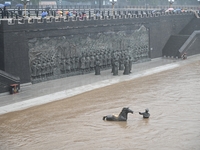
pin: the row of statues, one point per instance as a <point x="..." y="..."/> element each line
<point x="121" y="61"/>
<point x="45" y="66"/>
<point x="42" y="68"/>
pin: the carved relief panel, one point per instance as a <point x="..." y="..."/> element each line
<point x="56" y="57"/>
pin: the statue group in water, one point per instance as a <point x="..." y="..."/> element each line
<point x="123" y="116"/>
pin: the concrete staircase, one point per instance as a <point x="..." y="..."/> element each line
<point x="6" y="80"/>
<point x="195" y="13"/>
<point x="187" y="41"/>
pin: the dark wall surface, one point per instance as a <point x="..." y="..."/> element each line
<point x="16" y="55"/>
<point x="162" y="29"/>
<point x="174" y="44"/>
<point x="187" y="41"/>
<point x="192" y="26"/>
<point x="1" y="51"/>
<point x="15" y="51"/>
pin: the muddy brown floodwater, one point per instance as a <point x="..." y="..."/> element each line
<point x="76" y="123"/>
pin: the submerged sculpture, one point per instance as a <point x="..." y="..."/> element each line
<point x="123" y="116"/>
<point x="145" y="114"/>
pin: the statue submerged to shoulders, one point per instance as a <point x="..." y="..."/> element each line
<point x="145" y="114"/>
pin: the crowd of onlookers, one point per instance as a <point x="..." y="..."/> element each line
<point x="4" y="12"/>
<point x="48" y="11"/>
<point x="20" y="13"/>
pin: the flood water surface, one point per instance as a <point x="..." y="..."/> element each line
<point x="76" y="123"/>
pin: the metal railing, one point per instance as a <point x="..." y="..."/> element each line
<point x="195" y="7"/>
<point x="52" y="11"/>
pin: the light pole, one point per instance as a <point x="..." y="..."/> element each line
<point x="113" y="2"/>
<point x="25" y="3"/>
<point x="198" y="7"/>
<point x="145" y="4"/>
<point x="99" y="5"/>
<point x="170" y="3"/>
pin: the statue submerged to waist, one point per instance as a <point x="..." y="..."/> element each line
<point x="145" y="114"/>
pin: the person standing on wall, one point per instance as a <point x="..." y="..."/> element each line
<point x="5" y="11"/>
<point x="1" y="12"/>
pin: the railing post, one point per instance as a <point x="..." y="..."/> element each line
<point x="89" y="14"/>
<point x="29" y="14"/>
<point x="7" y="14"/>
<point x="36" y="11"/>
<point x="16" y="16"/>
<point x="11" y="14"/>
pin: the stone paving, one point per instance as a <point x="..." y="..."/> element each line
<point x="44" y="92"/>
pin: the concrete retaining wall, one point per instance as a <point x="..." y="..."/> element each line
<point x="14" y="36"/>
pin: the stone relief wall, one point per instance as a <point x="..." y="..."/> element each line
<point x="56" y="57"/>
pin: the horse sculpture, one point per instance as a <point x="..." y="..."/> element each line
<point x="121" y="117"/>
